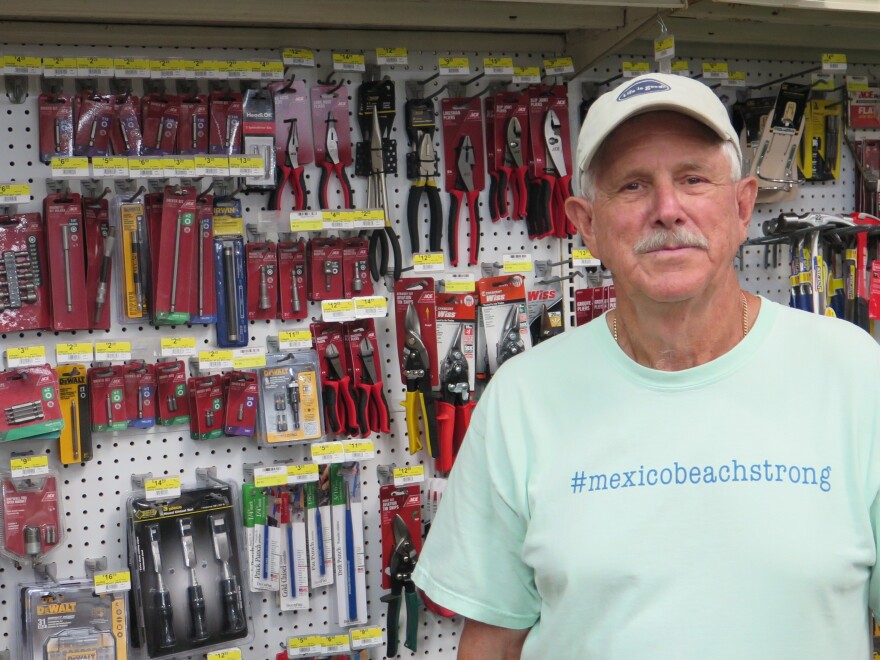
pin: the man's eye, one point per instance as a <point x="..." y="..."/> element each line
<point x="632" y="185"/>
<point x="693" y="180"/>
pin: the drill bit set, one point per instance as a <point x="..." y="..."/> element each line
<point x="186" y="563"/>
<point x="31" y="513"/>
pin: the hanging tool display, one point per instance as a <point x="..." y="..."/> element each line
<point x="381" y="239"/>
<point x="421" y="167"/>
<point x="416" y="364"/>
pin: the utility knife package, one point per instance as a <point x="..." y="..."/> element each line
<point x="186" y="562"/>
<point x="67" y="620"/>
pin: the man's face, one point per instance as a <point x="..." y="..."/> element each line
<point x="662" y="180"/>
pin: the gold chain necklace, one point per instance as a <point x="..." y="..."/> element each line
<point x="745" y="318"/>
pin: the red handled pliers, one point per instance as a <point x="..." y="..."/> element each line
<point x="339" y="408"/>
<point x="512" y="174"/>
<point x="331" y="164"/>
<point x="290" y="171"/>
<point x="464" y="190"/>
<point x="372" y="408"/>
<point x="560" y="179"/>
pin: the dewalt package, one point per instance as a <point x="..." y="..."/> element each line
<point x="68" y="621"/>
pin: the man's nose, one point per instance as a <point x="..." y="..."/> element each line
<point x="667" y="204"/>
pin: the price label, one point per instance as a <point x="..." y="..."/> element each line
<point x="269" y="70"/>
<point x="113" y="350"/>
<point x="517" y="263"/>
<point x="73" y="353"/>
<point x="359" y="450"/>
<point x="328" y="452"/>
<point x="306" y="221"/>
<point x="558" y="66"/>
<point x="408" y="475"/>
<point x="110" y="167"/>
<point x="60" y="67"/>
<point x="368" y="219"/>
<point x="67" y="166"/>
<point x="304" y="646"/>
<point x="248" y="358"/>
<point x="293" y="339"/>
<point x="337" y="219"/>
<point x="214" y="360"/>
<point x="298" y="57"/>
<point x="715" y="70"/>
<point x="227" y="226"/>
<point x="857" y="84"/>
<point x="338" y="310"/>
<point x="14" y="193"/>
<point x="211" y="69"/>
<point x="160" y="489"/>
<point x="834" y="63"/>
<point x="530" y="75"/>
<point x="365" y="638"/>
<point x="371" y="307"/>
<point x="454" y="66"/>
<point x="265" y="477"/>
<point x="337" y="644"/>
<point x="165" y="69"/>
<point x="681" y="68"/>
<point x="460" y="283"/>
<point x="633" y="69"/>
<point x="429" y="262"/>
<point x="29" y="466"/>
<point x="131" y="67"/>
<point x="349" y="62"/>
<point x="392" y="56"/>
<point x="111" y="583"/>
<point x="241" y="70"/>
<point x="147" y="168"/>
<point x="95" y="67"/>
<point x="498" y="66"/>
<point x="212" y="166"/>
<point x="246" y="166"/>
<point x="736" y="79"/>
<point x="25" y="357"/>
<point x="583" y="258"/>
<point x="225" y="654"/>
<point x="302" y="474"/>
<point x="180" y="166"/>
<point x="664" y="47"/>
<point x="22" y="65"/>
<point x="178" y="346"/>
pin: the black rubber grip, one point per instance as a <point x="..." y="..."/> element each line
<point x="165" y="638"/>
<point x="412" y="216"/>
<point x="435" y="237"/>
<point x="233" y="608"/>
<point x="198" y="629"/>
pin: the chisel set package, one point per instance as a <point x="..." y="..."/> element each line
<point x="186" y="563"/>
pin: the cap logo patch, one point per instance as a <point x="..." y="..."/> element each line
<point x="646" y="86"/>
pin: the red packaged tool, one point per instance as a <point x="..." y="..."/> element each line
<point x="325" y="264"/>
<point x="507" y="146"/>
<point x="107" y="388"/>
<point x="420" y="294"/>
<point x="206" y="407"/>
<point x="172" y="402"/>
<point x="177" y="256"/>
<point x="591" y="303"/>
<point x="160" y="116"/>
<point x="126" y="136"/>
<point x="406" y="502"/>
<point x="292" y="280"/>
<point x="31" y="403"/>
<point x="356" y="278"/>
<point x="203" y="306"/>
<point x="56" y="126"/>
<point x="31" y="517"/>
<point x="65" y="242"/>
<point x="465" y="174"/>
<point x="241" y="395"/>
<point x="100" y="243"/>
<point x="192" y="131"/>
<point x="262" y="280"/>
<point x="293" y="142"/>
<point x="864" y="108"/>
<point x="503" y="318"/>
<point x="24" y="294"/>
<point x="366" y="376"/>
<point x="94" y="117"/>
<point x="332" y="140"/>
<point x="153" y="213"/>
<point x="224" y="135"/>
<point x="140" y="394"/>
<point x="340" y="412"/>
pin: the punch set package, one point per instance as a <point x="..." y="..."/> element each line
<point x="186" y="563"/>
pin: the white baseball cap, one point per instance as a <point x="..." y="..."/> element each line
<point x="647" y="93"/>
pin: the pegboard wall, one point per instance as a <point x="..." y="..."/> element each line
<point x="93" y="494"/>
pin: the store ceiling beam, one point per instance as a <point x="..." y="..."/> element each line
<point x="589" y="47"/>
<point x="793" y="18"/>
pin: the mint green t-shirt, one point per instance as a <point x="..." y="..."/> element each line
<point x="723" y="512"/>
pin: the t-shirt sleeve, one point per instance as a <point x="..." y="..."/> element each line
<point x="872" y="390"/>
<point x="472" y="559"/>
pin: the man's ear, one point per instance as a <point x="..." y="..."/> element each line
<point x="746" y="194"/>
<point x="580" y="212"/>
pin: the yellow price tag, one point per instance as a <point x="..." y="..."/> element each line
<point x="581" y="253"/>
<point x="120" y="577"/>
<point x="67" y="353"/>
<point x="26" y="353"/>
<point x="857" y="84"/>
<point x="14" y="189"/>
<point x="664" y="47"/>
<point x="348" y="61"/>
<point x="559" y="65"/>
<point x="371" y="302"/>
<point x="327" y="448"/>
<point x="337" y="219"/>
<point x="215" y="359"/>
<point x="225" y="654"/>
<point x="266" y="477"/>
<point x="454" y="65"/>
<point x="298" y="57"/>
<point x="408" y="475"/>
<point x="212" y="165"/>
<point x="304" y="642"/>
<point x="156" y="489"/>
<point x="834" y="62"/>
<point x="306" y="221"/>
<point x="249" y="362"/>
<point x="715" y="70"/>
<point x="103" y="347"/>
<point x="29" y="463"/>
<point x="633" y="69"/>
<point x="359" y="634"/>
<point x="392" y="56"/>
<point x="528" y="74"/>
<point x="70" y="165"/>
<point x="181" y="165"/>
<point x="310" y="470"/>
<point x="246" y="165"/>
<point x="337" y="642"/>
<point x="681" y="67"/>
<point x="338" y="305"/>
<point x="105" y="165"/>
<point x="23" y="63"/>
<point x="178" y="342"/>
<point x="460" y="283"/>
<point x="498" y="65"/>
<point x="295" y="335"/>
<point x="59" y="66"/>
<point x="428" y="259"/>
<point x="129" y="66"/>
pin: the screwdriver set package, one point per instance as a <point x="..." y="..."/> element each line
<point x="31" y="405"/>
<point x="75" y="441"/>
<point x="290" y="399"/>
<point x="67" y="620"/>
<point x="24" y="298"/>
<point x="31" y="517"/>
<point x="186" y="560"/>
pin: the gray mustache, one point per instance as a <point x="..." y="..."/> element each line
<point x="667" y="238"/>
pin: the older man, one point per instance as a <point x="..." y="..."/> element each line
<point x="695" y="474"/>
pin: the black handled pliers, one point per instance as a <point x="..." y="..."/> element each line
<point x="427" y="159"/>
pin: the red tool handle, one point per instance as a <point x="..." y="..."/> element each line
<point x="561" y="192"/>
<point x="446" y="414"/>
<point x="455" y="201"/>
<point x="331" y="407"/>
<point x="379" y="422"/>
<point x="520" y="192"/>
<point x="473" y="200"/>
<point x="462" y="421"/>
<point x="350" y="409"/>
<point x="298" y="184"/>
<point x="278" y="193"/>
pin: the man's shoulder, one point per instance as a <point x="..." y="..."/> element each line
<point x="823" y="334"/>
